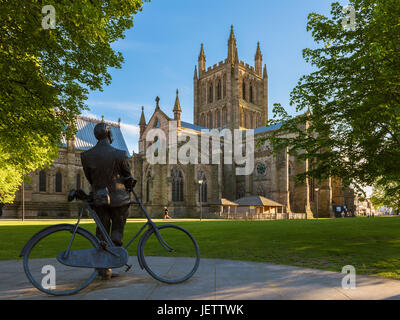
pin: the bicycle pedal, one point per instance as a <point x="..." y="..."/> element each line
<point x="128" y="267"/>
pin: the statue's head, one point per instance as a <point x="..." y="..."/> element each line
<point x="103" y="131"/>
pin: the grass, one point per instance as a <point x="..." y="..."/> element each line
<point x="371" y="245"/>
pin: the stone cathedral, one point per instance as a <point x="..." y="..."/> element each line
<point x="230" y="95"/>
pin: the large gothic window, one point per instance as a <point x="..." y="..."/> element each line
<point x="78" y="181"/>
<point x="202" y="188"/>
<point x="261" y="190"/>
<point x="241" y="192"/>
<point x="219" y="90"/>
<point x="148" y="178"/>
<point x="210" y="93"/>
<point x="224" y="117"/>
<point x="58" y="182"/>
<point x="210" y="120"/>
<point x="177" y="185"/>
<point x="203" y="121"/>
<point x="244" y="90"/>
<point x="42" y="181"/>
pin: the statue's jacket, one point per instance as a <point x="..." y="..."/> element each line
<point x="107" y="167"/>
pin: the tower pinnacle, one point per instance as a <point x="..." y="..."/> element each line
<point x="258" y="60"/>
<point x="142" y="122"/>
<point x="232" y="49"/>
<point x="157" y="103"/>
<point x="177" y="109"/>
<point x="265" y="74"/>
<point x="202" y="60"/>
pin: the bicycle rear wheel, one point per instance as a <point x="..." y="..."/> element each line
<point x="167" y="266"/>
<point x="43" y="269"/>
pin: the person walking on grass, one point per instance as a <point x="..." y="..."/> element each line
<point x="166" y="216"/>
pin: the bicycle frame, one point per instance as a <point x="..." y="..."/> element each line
<point x="150" y="224"/>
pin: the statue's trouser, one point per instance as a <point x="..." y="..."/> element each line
<point x="114" y="220"/>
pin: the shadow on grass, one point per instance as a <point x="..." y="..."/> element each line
<point x="372" y="246"/>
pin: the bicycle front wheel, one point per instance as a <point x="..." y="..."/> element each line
<point x="43" y="269"/>
<point x="174" y="264"/>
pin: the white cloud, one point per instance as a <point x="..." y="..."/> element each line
<point x="131" y="135"/>
<point x="89" y="114"/>
<point x="130" y="129"/>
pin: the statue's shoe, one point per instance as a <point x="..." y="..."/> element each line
<point x="105" y="274"/>
<point x="115" y="273"/>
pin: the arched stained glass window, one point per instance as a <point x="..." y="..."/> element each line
<point x="177" y="185"/>
<point x="58" y="182"/>
<point x="219" y="90"/>
<point x="202" y="188"/>
<point x="218" y="119"/>
<point x="210" y="93"/>
<point x="210" y="123"/>
<point x="148" y="178"/>
<point x="261" y="190"/>
<point x="42" y="181"/>
<point x="224" y="116"/>
<point x="78" y="181"/>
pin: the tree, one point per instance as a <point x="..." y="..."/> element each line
<point x="349" y="122"/>
<point x="46" y="74"/>
<point x="386" y="195"/>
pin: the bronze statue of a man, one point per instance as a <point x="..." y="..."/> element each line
<point x="108" y="170"/>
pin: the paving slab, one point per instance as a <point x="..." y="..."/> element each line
<point x="216" y="279"/>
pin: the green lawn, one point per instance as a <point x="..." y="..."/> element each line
<point x="372" y="245"/>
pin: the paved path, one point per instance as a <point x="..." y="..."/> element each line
<point x="215" y="279"/>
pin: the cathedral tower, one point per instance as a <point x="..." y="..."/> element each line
<point x="231" y="94"/>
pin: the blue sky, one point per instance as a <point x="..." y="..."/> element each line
<point x="162" y="48"/>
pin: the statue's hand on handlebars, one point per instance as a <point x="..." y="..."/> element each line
<point x="130" y="183"/>
<point x="77" y="194"/>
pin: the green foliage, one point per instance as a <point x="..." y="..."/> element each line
<point x="46" y="74"/>
<point x="353" y="96"/>
<point x="386" y="193"/>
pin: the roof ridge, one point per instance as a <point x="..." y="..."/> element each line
<point x="114" y="124"/>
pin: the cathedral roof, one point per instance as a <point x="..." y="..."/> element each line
<point x="192" y="126"/>
<point x="258" y="130"/>
<point x="269" y="128"/>
<point x="85" y="139"/>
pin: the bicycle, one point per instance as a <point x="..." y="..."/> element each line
<point x="82" y="254"/>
